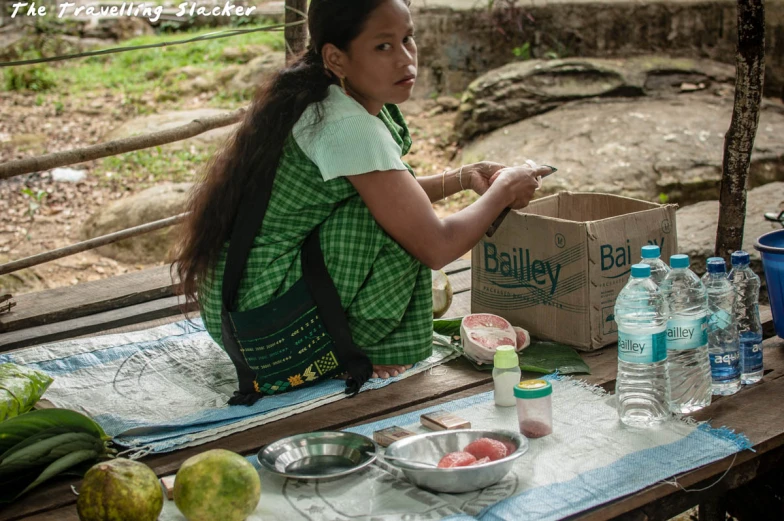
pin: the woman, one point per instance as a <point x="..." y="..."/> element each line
<point x="328" y="130"/>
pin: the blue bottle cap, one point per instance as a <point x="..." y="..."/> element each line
<point x="640" y="271"/>
<point x="650" y="252"/>
<point x="716" y="265"/>
<point x="740" y="258"/>
<point x="679" y="261"/>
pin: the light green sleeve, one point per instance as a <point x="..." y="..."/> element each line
<point x="355" y="144"/>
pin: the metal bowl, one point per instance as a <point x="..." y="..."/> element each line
<point x="318" y="455"/>
<point x="431" y="447"/>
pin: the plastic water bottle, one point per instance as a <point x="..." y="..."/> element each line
<point x="651" y="255"/>
<point x="687" y="337"/>
<point x="747" y="286"/>
<point x="723" y="345"/>
<point x="705" y="275"/>
<point x="642" y="386"/>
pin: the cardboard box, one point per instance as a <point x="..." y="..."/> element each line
<point x="556" y="267"/>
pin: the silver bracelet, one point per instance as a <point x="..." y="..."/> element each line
<point x="460" y="177"/>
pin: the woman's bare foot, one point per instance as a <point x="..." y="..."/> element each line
<point x="388" y="371"/>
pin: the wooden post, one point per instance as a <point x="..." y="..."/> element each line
<point x="739" y="140"/>
<point x="296" y="36"/>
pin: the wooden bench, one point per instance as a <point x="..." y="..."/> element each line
<point x="755" y="410"/>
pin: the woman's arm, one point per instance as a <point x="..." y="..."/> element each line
<point x="475" y="176"/>
<point x="403" y="209"/>
<point x="439" y="186"/>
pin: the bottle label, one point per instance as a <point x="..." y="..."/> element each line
<point x="642" y="349"/>
<point x="751" y="357"/>
<point x="687" y="333"/>
<point x="725" y="367"/>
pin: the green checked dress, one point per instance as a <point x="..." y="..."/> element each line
<point x="385" y="292"/>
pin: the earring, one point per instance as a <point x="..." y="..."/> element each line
<point x="343" y="85"/>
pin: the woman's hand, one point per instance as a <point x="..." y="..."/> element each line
<point x="482" y="175"/>
<point x="521" y="181"/>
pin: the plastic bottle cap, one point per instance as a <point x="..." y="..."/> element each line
<point x="528" y="389"/>
<point x="640" y="271"/>
<point x="650" y="252"/>
<point x="740" y="258"/>
<point x="716" y="265"/>
<point x="679" y="261"/>
<point x="505" y="357"/>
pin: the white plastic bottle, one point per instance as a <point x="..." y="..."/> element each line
<point x="506" y="375"/>
<point x="651" y="255"/>
<point x="723" y="344"/>
<point x="687" y="337"/>
<point x="642" y="386"/>
<point x="747" y="286"/>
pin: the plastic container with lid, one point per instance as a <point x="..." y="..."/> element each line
<point x="506" y="375"/>
<point x="534" y="408"/>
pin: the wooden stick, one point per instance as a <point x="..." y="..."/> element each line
<point x="739" y="140"/>
<point x="89" y="244"/>
<point x="296" y="36"/>
<point x="119" y="146"/>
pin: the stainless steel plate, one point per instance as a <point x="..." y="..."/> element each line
<point x="318" y="455"/>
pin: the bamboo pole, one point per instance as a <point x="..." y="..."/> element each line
<point x="739" y="140"/>
<point x="296" y="36"/>
<point x="119" y="146"/>
<point x="90" y="244"/>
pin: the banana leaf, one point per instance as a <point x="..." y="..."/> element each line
<point x="540" y="357"/>
<point x="20" y="388"/>
<point x="21" y="432"/>
<point x="448" y="326"/>
<point x="20" y="428"/>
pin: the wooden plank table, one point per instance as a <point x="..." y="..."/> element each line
<point x="755" y="411"/>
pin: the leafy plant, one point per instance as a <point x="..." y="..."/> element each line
<point x="523" y="52"/>
<point x="36" y="200"/>
<point x="36" y="446"/>
<point x="663" y="198"/>
<point x="36" y="78"/>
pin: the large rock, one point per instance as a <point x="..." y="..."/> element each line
<point x="523" y="89"/>
<point x="697" y="224"/>
<point x="636" y="147"/>
<point x="172" y="119"/>
<point x="256" y="71"/>
<point x="159" y="202"/>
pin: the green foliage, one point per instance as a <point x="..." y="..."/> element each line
<point x="36" y="200"/>
<point x="663" y="198"/>
<point x="36" y="78"/>
<point x="147" y="72"/>
<point x="522" y="52"/>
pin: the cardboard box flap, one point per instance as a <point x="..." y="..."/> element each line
<point x="586" y="207"/>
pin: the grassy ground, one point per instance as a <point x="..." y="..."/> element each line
<point x="146" y="73"/>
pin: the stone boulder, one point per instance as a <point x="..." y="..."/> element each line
<point x="256" y="71"/>
<point x="520" y="90"/>
<point x="639" y="147"/>
<point x="173" y="119"/>
<point x="696" y="225"/>
<point x="159" y="202"/>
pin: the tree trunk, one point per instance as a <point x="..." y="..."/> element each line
<point x="296" y="36"/>
<point x="739" y="140"/>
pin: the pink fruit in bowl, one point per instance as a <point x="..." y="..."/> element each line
<point x="456" y="459"/>
<point x="487" y="448"/>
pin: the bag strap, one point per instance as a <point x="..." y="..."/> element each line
<point x="323" y="291"/>
<point x="247" y="224"/>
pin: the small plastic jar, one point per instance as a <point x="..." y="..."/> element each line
<point x="534" y="407"/>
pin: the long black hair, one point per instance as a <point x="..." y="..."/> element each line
<point x="252" y="155"/>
